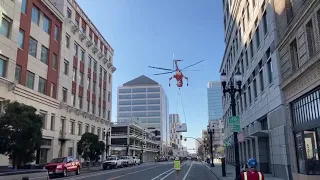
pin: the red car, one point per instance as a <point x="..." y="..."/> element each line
<point x="62" y="166"/>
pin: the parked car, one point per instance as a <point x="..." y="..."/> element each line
<point x="111" y="162"/>
<point x="130" y="160"/>
<point x="62" y="166"/>
<point x="125" y="161"/>
<point x="136" y="160"/>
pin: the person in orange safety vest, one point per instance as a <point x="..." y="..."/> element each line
<point x="251" y="173"/>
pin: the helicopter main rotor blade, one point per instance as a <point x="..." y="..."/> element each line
<point x="161" y="68"/>
<point x="192" y="65"/>
<point x="164" y="73"/>
<point x="191" y="70"/>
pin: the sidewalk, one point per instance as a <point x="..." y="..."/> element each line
<point x="230" y="172"/>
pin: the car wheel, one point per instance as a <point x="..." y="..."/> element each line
<point x="64" y="172"/>
<point x="104" y="168"/>
<point x="78" y="171"/>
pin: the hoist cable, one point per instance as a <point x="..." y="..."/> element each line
<point x="184" y="114"/>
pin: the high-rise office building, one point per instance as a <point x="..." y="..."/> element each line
<point x="250" y="47"/>
<point x="214" y="98"/>
<point x="144" y="101"/>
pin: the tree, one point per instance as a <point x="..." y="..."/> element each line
<point x="20" y="133"/>
<point x="90" y="148"/>
<point x="201" y="150"/>
<point x="220" y="150"/>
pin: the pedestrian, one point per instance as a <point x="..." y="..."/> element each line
<point x="176" y="165"/>
<point x="251" y="173"/>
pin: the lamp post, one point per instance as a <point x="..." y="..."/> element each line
<point x="232" y="91"/>
<point x="107" y="143"/>
<point x="211" y="132"/>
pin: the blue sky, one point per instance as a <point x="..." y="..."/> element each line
<point x="148" y="32"/>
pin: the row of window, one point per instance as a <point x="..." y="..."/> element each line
<point x="140" y="102"/>
<point x="74" y="100"/>
<point x="139" y="114"/>
<point x="139" y="96"/>
<point x="139" y="108"/>
<point x="139" y="90"/>
<point x="142" y="120"/>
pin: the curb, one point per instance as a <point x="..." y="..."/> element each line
<point x="212" y="171"/>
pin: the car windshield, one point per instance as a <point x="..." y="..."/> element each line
<point x="111" y="158"/>
<point x="58" y="160"/>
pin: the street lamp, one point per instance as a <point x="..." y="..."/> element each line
<point x="107" y="142"/>
<point x="211" y="132"/>
<point x="237" y="78"/>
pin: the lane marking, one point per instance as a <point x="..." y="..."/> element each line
<point x="87" y="175"/>
<point x="132" y="173"/>
<point x="185" y="176"/>
<point x="166" y="172"/>
<point x="174" y="171"/>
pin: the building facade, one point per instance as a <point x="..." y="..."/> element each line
<point x="143" y="100"/>
<point x="218" y="136"/>
<point x="133" y="140"/>
<point x="299" y="47"/>
<point x="32" y="51"/>
<point x="175" y="139"/>
<point x="214" y="98"/>
<point x="251" y="38"/>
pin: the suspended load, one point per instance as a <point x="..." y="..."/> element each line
<point x="182" y="127"/>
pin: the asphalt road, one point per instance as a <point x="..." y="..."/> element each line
<point x="190" y="170"/>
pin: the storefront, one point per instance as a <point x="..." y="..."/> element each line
<point x="305" y="112"/>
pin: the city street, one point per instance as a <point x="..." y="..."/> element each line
<point x="153" y="171"/>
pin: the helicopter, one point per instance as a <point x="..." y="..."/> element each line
<point x="178" y="72"/>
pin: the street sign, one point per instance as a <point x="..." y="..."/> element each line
<point x="234" y="123"/>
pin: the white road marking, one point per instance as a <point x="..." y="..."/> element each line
<point x="174" y="171"/>
<point x="185" y="176"/>
<point x="101" y="173"/>
<point x="162" y="174"/>
<point x="132" y="173"/>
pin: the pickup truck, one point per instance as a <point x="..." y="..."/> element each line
<point x="62" y="166"/>
<point x="111" y="162"/>
<point x="136" y="160"/>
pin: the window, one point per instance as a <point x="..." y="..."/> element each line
<point x="44" y="119"/>
<point x="81" y="78"/>
<point x="95" y="66"/>
<point x="30" y="80"/>
<point x="35" y="15"/>
<point x="88" y="106"/>
<point x="245" y="99"/>
<point x="109" y="114"/>
<point x="82" y="55"/>
<point x="265" y="23"/>
<point x="80" y="102"/>
<point x="270" y="71"/>
<point x="261" y="79"/>
<point x="73" y="99"/>
<point x="33" y="47"/>
<point x="88" y="84"/>
<point x="93" y="129"/>
<point x="69" y="13"/>
<point x="94" y="87"/>
<point x="93" y="109"/>
<point x="68" y="41"/>
<point x="109" y="96"/>
<point x="76" y="48"/>
<point x="46" y="24"/>
<point x="3" y="67"/>
<point x="20" y="39"/>
<point x="110" y="79"/>
<point x="289" y="11"/>
<point x="255" y="93"/>
<point x="24" y="6"/>
<point x="5" y="26"/>
<point x="249" y="94"/>
<point x="100" y="72"/>
<point x="64" y="94"/>
<point x="72" y="124"/>
<point x="87" y="127"/>
<point x="310" y="38"/>
<point x="258" y="37"/>
<point x="52" y="122"/>
<point x="44" y="55"/>
<point x="99" y="111"/>
<point x="104" y="94"/>
<point x="74" y="75"/>
<point x="105" y="75"/>
<point x="294" y="55"/>
<point x="56" y="32"/>
<point x="53" y="90"/>
<point x="42" y="85"/>
<point x="103" y="113"/>
<point x="79" y="129"/>
<point x="251" y="50"/>
<point x="17" y="74"/>
<point x="54" y="61"/>
<point x="66" y="67"/>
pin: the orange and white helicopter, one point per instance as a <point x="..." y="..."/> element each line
<point x="178" y="72"/>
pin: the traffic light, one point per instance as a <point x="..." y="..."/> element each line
<point x="181" y="137"/>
